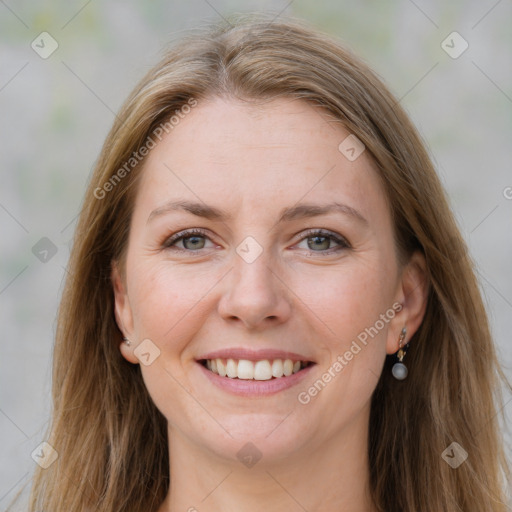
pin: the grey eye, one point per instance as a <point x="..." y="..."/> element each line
<point x="319" y="242"/>
<point x="193" y="242"/>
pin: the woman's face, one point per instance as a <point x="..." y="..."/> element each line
<point x="269" y="277"/>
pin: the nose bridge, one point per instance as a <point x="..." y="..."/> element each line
<point x="254" y="293"/>
<point x="253" y="270"/>
<point x="253" y="264"/>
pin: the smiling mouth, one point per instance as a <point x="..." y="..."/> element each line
<point x="265" y="369"/>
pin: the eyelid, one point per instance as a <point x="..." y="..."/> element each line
<point x="325" y="232"/>
<point x="342" y="242"/>
<point x="184" y="233"/>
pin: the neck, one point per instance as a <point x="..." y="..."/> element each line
<point x="332" y="475"/>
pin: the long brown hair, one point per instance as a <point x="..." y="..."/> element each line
<point x="111" y="439"/>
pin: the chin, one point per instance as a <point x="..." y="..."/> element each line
<point x="257" y="436"/>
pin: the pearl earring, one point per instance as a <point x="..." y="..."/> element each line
<point x="399" y="369"/>
<point x="127" y="341"/>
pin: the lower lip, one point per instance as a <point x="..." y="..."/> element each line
<point x="255" y="388"/>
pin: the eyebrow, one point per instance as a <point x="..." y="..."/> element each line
<point x="300" y="211"/>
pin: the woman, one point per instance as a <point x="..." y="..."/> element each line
<point x="269" y="304"/>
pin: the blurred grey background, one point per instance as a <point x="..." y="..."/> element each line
<point x="56" y="109"/>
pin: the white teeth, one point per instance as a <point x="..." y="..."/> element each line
<point x="277" y="368"/>
<point x="221" y="369"/>
<point x="245" y="369"/>
<point x="231" y="369"/>
<point x="287" y="367"/>
<point x="262" y="370"/>
<point x="254" y="370"/>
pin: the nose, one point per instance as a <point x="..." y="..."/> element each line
<point x="255" y="295"/>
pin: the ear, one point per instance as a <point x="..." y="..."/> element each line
<point x="412" y="293"/>
<point x="123" y="313"/>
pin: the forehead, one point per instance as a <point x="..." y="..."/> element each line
<point x="277" y="152"/>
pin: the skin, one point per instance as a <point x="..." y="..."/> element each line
<point x="253" y="160"/>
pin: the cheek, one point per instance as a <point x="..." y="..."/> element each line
<point x="348" y="299"/>
<point x="355" y="308"/>
<point x="165" y="299"/>
<point x="169" y="305"/>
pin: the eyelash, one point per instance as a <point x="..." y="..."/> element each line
<point x="310" y="233"/>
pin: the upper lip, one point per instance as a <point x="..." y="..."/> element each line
<point x="254" y="355"/>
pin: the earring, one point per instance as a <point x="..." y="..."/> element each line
<point x="399" y="369"/>
<point x="127" y="341"/>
